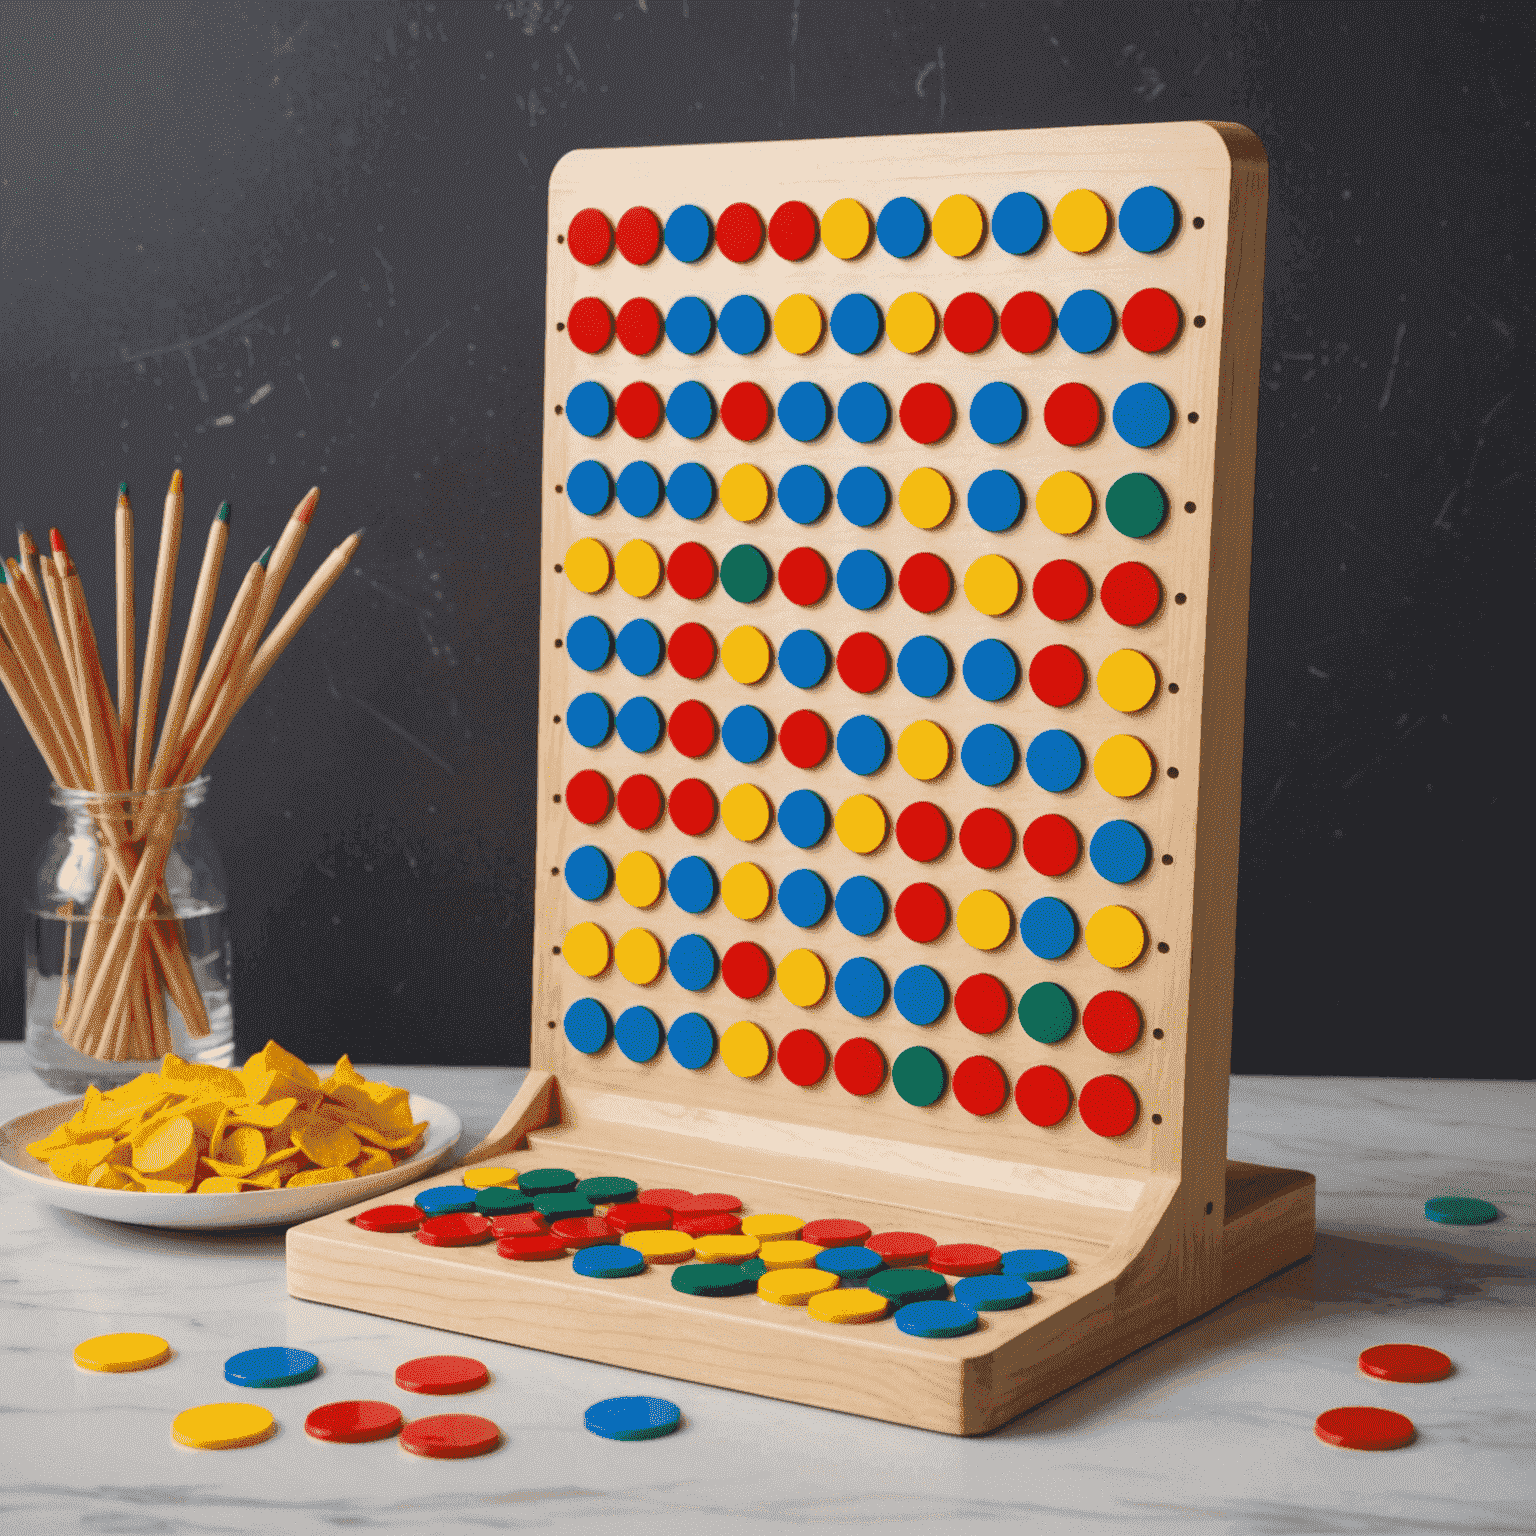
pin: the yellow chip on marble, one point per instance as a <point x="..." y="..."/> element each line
<point x="734" y="1248"/>
<point x="744" y="1049"/>
<point x="1127" y="681"/>
<point x="638" y="568"/>
<point x="586" y="950"/>
<point x="842" y="1306"/>
<point x="845" y="228"/>
<point x="794" y="1287"/>
<point x="638" y="956"/>
<point x="745" y="891"/>
<point x="638" y="879"/>
<point x="1123" y="766"/>
<point x="802" y="978"/>
<point x="860" y="824"/>
<point x="1080" y="221"/>
<point x="790" y="1253"/>
<point x="983" y="919"/>
<point x="772" y="1226"/>
<point x="992" y="585"/>
<point x="925" y="498"/>
<point x="490" y="1177"/>
<point x="746" y="654"/>
<point x="923" y="750"/>
<point x="958" y="225"/>
<point x="122" y="1352"/>
<point x="745" y="812"/>
<point x="911" y="322"/>
<point x="587" y="566"/>
<point x="1115" y="937"/>
<point x="660" y="1247"/>
<point x="222" y="1426"/>
<point x="797" y="323"/>
<point x="1064" y="502"/>
<point x="744" y="492"/>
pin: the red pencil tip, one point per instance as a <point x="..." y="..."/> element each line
<point x="306" y="508"/>
<point x="56" y="542"/>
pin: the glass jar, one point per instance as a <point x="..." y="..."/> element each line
<point x="189" y="948"/>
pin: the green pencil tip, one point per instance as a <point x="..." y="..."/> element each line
<point x="3" y="581"/>
<point x="223" y="512"/>
<point x="122" y="487"/>
<point x="266" y="555"/>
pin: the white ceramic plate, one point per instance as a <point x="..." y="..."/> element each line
<point x="251" y="1208"/>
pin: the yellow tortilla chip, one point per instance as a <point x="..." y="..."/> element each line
<point x="271" y="1179"/>
<point x="220" y="1184"/>
<point x="376" y="1138"/>
<point x="268" y="1116"/>
<point x="329" y="1146"/>
<point x="146" y="1085"/>
<point x="273" y="1058"/>
<point x="244" y="1151"/>
<point x="201" y="1078"/>
<point x="74" y="1164"/>
<point x="319" y="1176"/>
<point x="371" y="1160"/>
<point x="170" y="1152"/>
<point x="55" y="1141"/>
<point x="164" y="1186"/>
<point x="343" y="1074"/>
<point x="105" y="1176"/>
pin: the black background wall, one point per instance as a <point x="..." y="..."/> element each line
<point x="279" y="244"/>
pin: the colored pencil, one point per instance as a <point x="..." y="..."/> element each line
<point x="126" y="626"/>
<point x="159" y="629"/>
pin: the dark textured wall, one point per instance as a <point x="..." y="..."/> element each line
<point x="277" y="244"/>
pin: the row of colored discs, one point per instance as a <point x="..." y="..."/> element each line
<point x="1080" y="221"/>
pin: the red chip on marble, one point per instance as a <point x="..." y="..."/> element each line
<point x="441" y="1375"/>
<point x="1130" y="593"/>
<point x="638" y="409"/>
<point x="589" y="325"/>
<point x="745" y="412"/>
<point x="1072" y="414"/>
<point x="792" y="231"/>
<point x="900" y="1249"/>
<point x="1399" y="1362"/>
<point x="804" y="576"/>
<point x="582" y="1231"/>
<point x="639" y="802"/>
<point x="354" y="1422"/>
<point x="639" y="326"/>
<point x="388" y="1218"/>
<point x="691" y="571"/>
<point x="1051" y="845"/>
<point x="1043" y="1096"/>
<point x="1112" y="1022"/>
<point x="587" y="796"/>
<point x="537" y="1245"/>
<point x="927" y="413"/>
<point x="691" y="805"/>
<point x="691" y="728"/>
<point x="708" y="1226"/>
<point x="645" y="1215"/>
<point x="964" y="1259"/>
<point x="859" y="1066"/>
<point x="461" y="1229"/>
<point x="710" y="1203"/>
<point x="968" y="322"/>
<point x="1150" y="319"/>
<point x="863" y="662"/>
<point x="739" y="232"/>
<point x="691" y="651"/>
<point x="450" y="1436"/>
<point x="804" y="739"/>
<point x="834" y="1233"/>
<point x="639" y="236"/>
<point x="1364" y="1429"/>
<point x="922" y="831"/>
<point x="519" y="1224"/>
<point x="590" y="237"/>
<point x="1027" y="322"/>
<point x="1057" y="676"/>
<point x="802" y="1058"/>
<point x="745" y="969"/>
<point x="980" y="1086"/>
<point x="925" y="583"/>
<point x="922" y="914"/>
<point x="982" y="1004"/>
<point x="986" y="838"/>
<point x="1061" y="590"/>
<point x="1107" y="1105"/>
<point x="663" y="1197"/>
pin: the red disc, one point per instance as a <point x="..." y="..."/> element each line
<point x="1061" y="590"/>
<point x="708" y="1226"/>
<point x="980" y="1085"/>
<point x="986" y="839"/>
<point x="706" y="1205"/>
<point x="1112" y="1022"/>
<point x="1043" y="1096"/>
<point x="804" y="739"/>
<point x="590" y="237"/>
<point x="901" y="1249"/>
<point x="1394" y="1362"/>
<point x="462" y="1229"/>
<point x="639" y="1216"/>
<point x="1150" y="320"/>
<point x="519" y="1224"/>
<point x="745" y="412"/>
<point x="589" y="325"/>
<point x="927" y="413"/>
<point x="639" y="236"/>
<point x="803" y="576"/>
<point x="639" y="326"/>
<point x="859" y="1066"/>
<point x="922" y="913"/>
<point x="639" y="801"/>
<point x="665" y="1198"/>
<point x="983" y="1004"/>
<point x="745" y="969"/>
<point x="1050" y="845"/>
<point x="388" y="1218"/>
<point x="536" y="1245"/>
<point x="1108" y="1105"/>
<point x="922" y="831"/>
<point x="441" y="1375"/>
<point x="450" y="1436"/>
<point x="739" y="232"/>
<point x="582" y="1231"/>
<point x="1364" y="1429"/>
<point x="587" y="796"/>
<point x="965" y="1259"/>
<point x="691" y="571"/>
<point x="691" y="728"/>
<point x="925" y="583"/>
<point x="1027" y="321"/>
<point x="691" y="650"/>
<point x="832" y="1233"/>
<point x="354" y="1422"/>
<point x="968" y="322"/>
<point x="1130" y="593"/>
<point x="1056" y="675"/>
<point x="802" y="1058"/>
<point x="863" y="662"/>
<point x="1072" y="414"/>
<point x="639" y="409"/>
<point x="691" y="806"/>
<point x="792" y="231"/>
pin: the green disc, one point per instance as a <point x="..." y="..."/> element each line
<point x="1135" y="505"/>
<point x="899" y="1286"/>
<point x="1046" y="1012"/>
<point x="497" y="1201"/>
<point x="918" y="1075"/>
<point x="745" y="573"/>
<point x="547" y="1181"/>
<point x="754" y="1270"/>
<point x="713" y="1280"/>
<point x="1460" y="1210"/>
<point x="558" y="1207"/>
<point x="607" y="1191"/>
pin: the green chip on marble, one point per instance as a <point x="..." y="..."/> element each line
<point x="607" y="1191"/>
<point x="745" y="573"/>
<point x="1046" y="1012"/>
<point x="900" y="1286"/>
<point x="918" y="1076"/>
<point x="1460" y="1210"/>
<point x="1135" y="505"/>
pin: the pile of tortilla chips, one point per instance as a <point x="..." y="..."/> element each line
<point x="275" y="1122"/>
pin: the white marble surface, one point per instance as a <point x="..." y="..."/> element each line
<point x="1208" y="1430"/>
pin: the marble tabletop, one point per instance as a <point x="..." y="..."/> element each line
<point x="1208" y="1430"/>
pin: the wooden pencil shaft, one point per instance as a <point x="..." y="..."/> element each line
<point x="159" y="631"/>
<point x="28" y="552"/>
<point x="17" y="685"/>
<point x="56" y="678"/>
<point x="284" y="553"/>
<point x="54" y="592"/>
<point x="102" y="738"/>
<point x="126" y="626"/>
<point x="241" y="612"/>
<point x="23" y="653"/>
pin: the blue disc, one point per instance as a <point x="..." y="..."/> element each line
<point x="1146" y="219"/>
<point x="689" y="325"/>
<point x="588" y="873"/>
<point x="863" y="496"/>
<point x="863" y="579"/>
<point x="1054" y="761"/>
<point x="445" y="1200"/>
<point x="860" y="987"/>
<point x="936" y="1319"/>
<point x="637" y="1031"/>
<point x="803" y="897"/>
<point x="1048" y="928"/>
<point x="691" y="1041"/>
<point x="923" y="666"/>
<point x="901" y="228"/>
<point x="589" y="643"/>
<point x="691" y="884"/>
<point x="1119" y="851"/>
<point x="692" y="962"/>
<point x="274" y="1366"/>
<point x="1035" y="1263"/>
<point x="993" y="1293"/>
<point x="994" y="501"/>
<point x="687" y="232"/>
<point x="640" y="647"/>
<point x="743" y="324"/>
<point x="997" y="412"/>
<point x="803" y="411"/>
<point x="1142" y="415"/>
<point x="589" y="409"/>
<point x="863" y="412"/>
<point x="690" y="409"/>
<point x="1018" y="222"/>
<point x="861" y="906"/>
<point x="640" y="724"/>
<point x="587" y="1025"/>
<point x="608" y="1262"/>
<point x="1086" y="321"/>
<point x="802" y="494"/>
<point x="588" y="719"/>
<point x="803" y="817"/>
<point x="691" y="491"/>
<point x="920" y="995"/>
<point x="850" y="1264"/>
<point x="639" y="489"/>
<point x="634" y="1418"/>
<point x="856" y="323"/>
<point x="990" y="670"/>
<point x="746" y="733"/>
<point x="862" y="745"/>
<point x="589" y="487"/>
<point x="804" y="658"/>
<point x="988" y="755"/>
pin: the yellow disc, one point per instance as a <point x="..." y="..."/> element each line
<point x="923" y="750"/>
<point x="490" y="1178"/>
<point x="122" y="1352"/>
<point x="860" y="824"/>
<point x="842" y="1306"/>
<point x="925" y="498"/>
<point x="744" y="492"/>
<point x="790" y="1253"/>
<point x="586" y="950"/>
<point x="983" y="919"/>
<point x="1115" y="937"/>
<point x="958" y="225"/>
<point x="222" y="1426"/>
<point x="1127" y="681"/>
<point x="746" y="654"/>
<point x="1064" y="502"/>
<point x="744" y="1049"/>
<point x="735" y="1249"/>
<point x="1081" y="220"/>
<point x="746" y="812"/>
<point x="911" y="322"/>
<point x="797" y="323"/>
<point x="1123" y="766"/>
<point x="638" y="878"/>
<point x="588" y="566"/>
<point x="773" y="1227"/>
<point x="745" y="891"/>
<point x="794" y="1287"/>
<point x="992" y="585"/>
<point x="845" y="228"/>
<point x="638" y="568"/>
<point x="638" y="956"/>
<point x="660" y="1247"/>
<point x="802" y="978"/>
